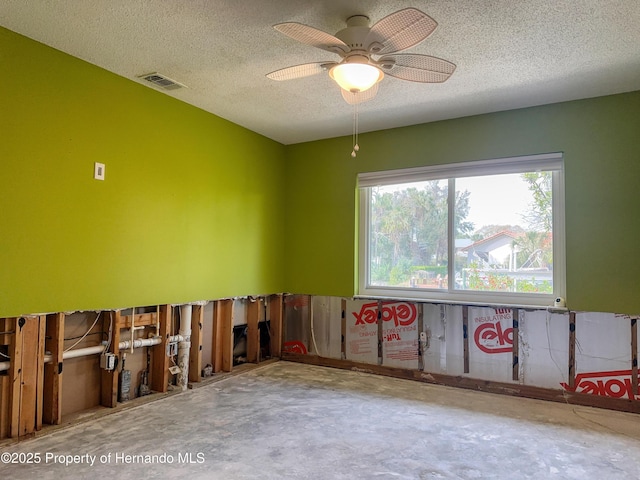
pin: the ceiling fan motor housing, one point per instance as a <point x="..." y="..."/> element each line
<point x="355" y="34"/>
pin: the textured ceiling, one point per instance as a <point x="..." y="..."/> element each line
<point x="509" y="54"/>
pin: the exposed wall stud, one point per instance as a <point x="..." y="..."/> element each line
<point x="572" y="350"/>
<point x="379" y="323"/>
<point x="159" y="357"/>
<point x="516" y="344"/>
<point x="42" y="327"/>
<point x="275" y="324"/>
<point x="15" y="369"/>
<point x="109" y="383"/>
<point x="465" y="333"/>
<point x="253" y="331"/>
<point x="343" y="330"/>
<point x="26" y="383"/>
<point x="634" y="356"/>
<point x="223" y="336"/>
<point x="195" y="354"/>
<point x="421" y="333"/>
<point x="5" y="406"/>
<point x="54" y="343"/>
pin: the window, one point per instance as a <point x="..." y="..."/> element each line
<point x="490" y="231"/>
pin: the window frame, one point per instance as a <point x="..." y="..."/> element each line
<point x="530" y="163"/>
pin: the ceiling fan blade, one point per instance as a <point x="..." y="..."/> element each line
<point x="417" y="68"/>
<point x="359" y="97"/>
<point x="299" y="71"/>
<point x="399" y="31"/>
<point x="313" y="36"/>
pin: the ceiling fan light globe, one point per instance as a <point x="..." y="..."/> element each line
<point x="356" y="77"/>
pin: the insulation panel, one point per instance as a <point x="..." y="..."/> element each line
<point x="361" y="335"/>
<point x="297" y="328"/>
<point x="491" y="343"/>
<point x="399" y="334"/>
<point x="544" y="348"/>
<point x="326" y="325"/>
<point x="603" y="355"/>
<point x="435" y="345"/>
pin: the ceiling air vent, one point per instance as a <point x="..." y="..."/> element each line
<point x="161" y="81"/>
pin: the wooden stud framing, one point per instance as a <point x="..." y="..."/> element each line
<point x="572" y="350"/>
<point x="5" y="414"/>
<point x="227" y="338"/>
<point x="109" y="386"/>
<point x="42" y="327"/>
<point x="343" y="330"/>
<point x="223" y="336"/>
<point x="195" y="352"/>
<point x="311" y="338"/>
<point x="159" y="357"/>
<point x="253" y="331"/>
<point x="421" y="346"/>
<point x="516" y="345"/>
<point x="216" y="341"/>
<point x="465" y="333"/>
<point x="5" y="326"/>
<point x="141" y="320"/>
<point x="15" y="352"/>
<point x="379" y="323"/>
<point x="634" y="356"/>
<point x="54" y="343"/>
<point x="27" y="360"/>
<point x="275" y="324"/>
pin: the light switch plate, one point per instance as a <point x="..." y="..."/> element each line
<point x="98" y="171"/>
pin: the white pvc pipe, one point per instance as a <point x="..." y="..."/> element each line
<point x="132" y="332"/>
<point x="83" y="352"/>
<point x="184" y="346"/>
<point x="140" y="342"/>
<point x="80" y="352"/>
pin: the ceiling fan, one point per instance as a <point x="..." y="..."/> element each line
<point x="368" y="53"/>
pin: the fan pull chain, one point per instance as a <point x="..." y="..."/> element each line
<point x="356" y="147"/>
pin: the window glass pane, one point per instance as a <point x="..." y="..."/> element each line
<point x="504" y="238"/>
<point x="408" y="235"/>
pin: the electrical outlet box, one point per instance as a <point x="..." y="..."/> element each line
<point x="98" y="171"/>
<point x="172" y="349"/>
<point x="108" y="361"/>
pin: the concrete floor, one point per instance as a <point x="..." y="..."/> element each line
<point x="287" y="420"/>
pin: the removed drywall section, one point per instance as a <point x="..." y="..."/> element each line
<point x="505" y="350"/>
<point x="81" y="375"/>
<point x="326" y="331"/>
<point x="544" y="348"/>
<point x="603" y="355"/>
<point x="434" y="345"/>
<point x="80" y="384"/>
<point x="361" y="339"/>
<point x="207" y="335"/>
<point x="491" y="343"/>
<point x="297" y="325"/>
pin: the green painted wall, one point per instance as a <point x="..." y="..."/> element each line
<point x="599" y="138"/>
<point x="189" y="209"/>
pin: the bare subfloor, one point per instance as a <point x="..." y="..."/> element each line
<point x="288" y="420"/>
